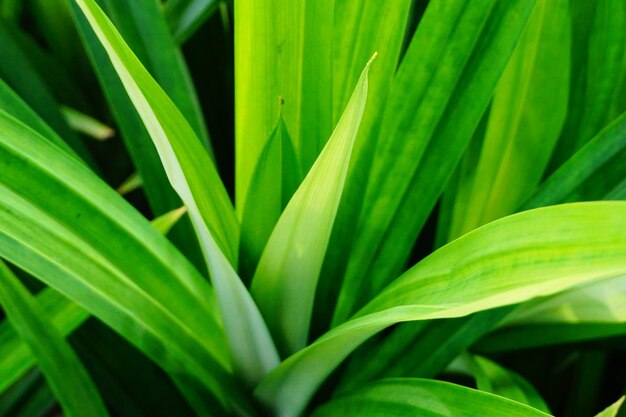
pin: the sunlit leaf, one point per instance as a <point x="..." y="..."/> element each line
<point x="285" y="281"/>
<point x="518" y="258"/>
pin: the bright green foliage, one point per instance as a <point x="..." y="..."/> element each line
<point x="410" y="397"/>
<point x="612" y="410"/>
<point x="349" y="234"/>
<point x="285" y="280"/>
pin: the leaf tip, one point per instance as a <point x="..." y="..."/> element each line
<point x="372" y="59"/>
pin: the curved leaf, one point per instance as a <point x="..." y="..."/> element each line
<point x="422" y="397"/>
<point x="64" y="372"/>
<point x="281" y="54"/>
<point x="15" y="356"/>
<point x="53" y="208"/>
<point x="491" y="377"/>
<point x="520" y="257"/>
<point x="275" y="179"/>
<point x="194" y="177"/>
<point x="526" y="117"/>
<point x="285" y="280"/>
<point x="612" y="410"/>
<point x="428" y="120"/>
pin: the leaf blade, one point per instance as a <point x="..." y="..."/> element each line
<point x="285" y="281"/>
<point x="428" y="290"/>
<point x="67" y="377"/>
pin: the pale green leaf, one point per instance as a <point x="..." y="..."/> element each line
<point x="64" y="372"/>
<point x="612" y="410"/>
<point x="422" y="397"/>
<point x="164" y="223"/>
<point x="285" y="281"/>
<point x="597" y="302"/>
<point x="194" y="177"/>
<point x="130" y="184"/>
<point x="54" y="212"/>
<point x="144" y="28"/>
<point x="281" y="55"/>
<point x="520" y="257"/>
<point x="87" y="125"/>
<point x="360" y="28"/>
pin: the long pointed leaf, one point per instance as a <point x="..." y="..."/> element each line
<point x="526" y="117"/>
<point x="121" y="254"/>
<point x="428" y="121"/>
<point x="511" y="260"/>
<point x="67" y="377"/>
<point x="285" y="281"/>
<point x="281" y="54"/>
<point x="274" y="181"/>
<point x="194" y="177"/>
<point x="422" y="397"/>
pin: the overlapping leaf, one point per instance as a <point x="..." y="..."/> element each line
<point x="65" y="373"/>
<point x="410" y="396"/>
<point x="585" y="242"/>
<point x="194" y="177"/>
<point x="285" y="281"/>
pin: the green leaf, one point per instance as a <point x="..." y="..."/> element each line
<point x="360" y="28"/>
<point x="598" y="68"/>
<point x="13" y="104"/>
<point x="520" y="257"/>
<point x="281" y="55"/>
<point x="441" y="89"/>
<point x="164" y="223"/>
<point x="86" y="124"/>
<point x="194" y="177"/>
<point x="517" y="338"/>
<point x="274" y="182"/>
<point x="587" y="312"/>
<point x="525" y="120"/>
<point x="417" y="349"/>
<point x="144" y="28"/>
<point x="612" y="410"/>
<point x="64" y="372"/>
<point x="15" y="356"/>
<point x="186" y="16"/>
<point x="285" y="281"/>
<point x="422" y="397"/>
<point x="149" y="38"/>
<point x="130" y="184"/>
<point x="18" y="72"/>
<point x="186" y="163"/>
<point x="54" y="211"/>
<point x="11" y="9"/>
<point x="493" y="378"/>
<point x="605" y="149"/>
<point x="31" y="397"/>
<point x="596" y="302"/>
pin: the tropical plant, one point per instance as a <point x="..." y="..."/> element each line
<point x="427" y="213"/>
